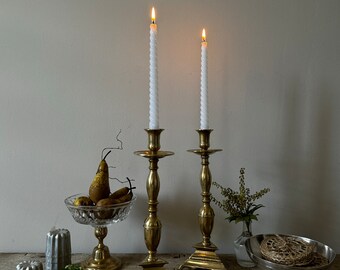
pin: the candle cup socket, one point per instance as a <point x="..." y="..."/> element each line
<point x="204" y="138"/>
<point x="154" y="136"/>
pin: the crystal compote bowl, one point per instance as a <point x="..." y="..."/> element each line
<point x="99" y="218"/>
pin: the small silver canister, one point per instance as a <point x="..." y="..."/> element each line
<point x="30" y="265"/>
<point x="58" y="249"/>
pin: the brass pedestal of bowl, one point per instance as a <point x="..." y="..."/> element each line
<point x="101" y="258"/>
<point x="93" y="215"/>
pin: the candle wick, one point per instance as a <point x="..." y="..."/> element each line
<point x="153" y="21"/>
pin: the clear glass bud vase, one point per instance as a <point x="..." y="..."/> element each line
<point x="241" y="253"/>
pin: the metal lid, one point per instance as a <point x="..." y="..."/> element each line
<point x="30" y="265"/>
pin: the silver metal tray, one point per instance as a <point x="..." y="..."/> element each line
<point x="253" y="249"/>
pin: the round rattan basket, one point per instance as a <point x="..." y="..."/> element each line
<point x="288" y="252"/>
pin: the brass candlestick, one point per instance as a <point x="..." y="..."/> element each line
<point x="152" y="224"/>
<point x="205" y="257"/>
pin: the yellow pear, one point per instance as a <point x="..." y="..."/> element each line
<point x="100" y="186"/>
<point x="82" y="201"/>
<point x="105" y="213"/>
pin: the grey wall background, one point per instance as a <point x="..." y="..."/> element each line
<point x="73" y="73"/>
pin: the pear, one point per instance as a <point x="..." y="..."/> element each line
<point x="105" y="213"/>
<point x="100" y="186"/>
<point x="82" y="201"/>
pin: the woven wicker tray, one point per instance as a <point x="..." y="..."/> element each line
<point x="309" y="254"/>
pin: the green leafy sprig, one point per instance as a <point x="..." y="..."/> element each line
<point x="239" y="205"/>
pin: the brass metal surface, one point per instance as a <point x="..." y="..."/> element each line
<point x="152" y="224"/>
<point x="204" y="257"/>
<point x="101" y="258"/>
<point x="150" y="154"/>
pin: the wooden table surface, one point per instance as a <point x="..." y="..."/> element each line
<point x="8" y="261"/>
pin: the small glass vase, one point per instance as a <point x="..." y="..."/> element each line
<point x="241" y="253"/>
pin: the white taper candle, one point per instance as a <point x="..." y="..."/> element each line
<point x="153" y="109"/>
<point x="204" y="83"/>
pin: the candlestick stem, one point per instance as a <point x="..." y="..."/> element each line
<point x="152" y="224"/>
<point x="205" y="257"/>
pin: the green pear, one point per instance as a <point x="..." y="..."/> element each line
<point x="100" y="186"/>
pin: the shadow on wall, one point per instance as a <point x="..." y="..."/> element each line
<point x="305" y="160"/>
<point x="322" y="203"/>
<point x="178" y="216"/>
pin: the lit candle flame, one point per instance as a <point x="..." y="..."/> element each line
<point x="204" y="37"/>
<point x="153" y="15"/>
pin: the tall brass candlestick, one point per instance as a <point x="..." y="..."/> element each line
<point x="152" y="224"/>
<point x="204" y="257"/>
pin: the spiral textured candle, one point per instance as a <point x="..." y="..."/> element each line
<point x="204" y="83"/>
<point x="153" y="109"/>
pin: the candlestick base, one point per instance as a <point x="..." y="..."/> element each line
<point x="153" y="264"/>
<point x="203" y="259"/>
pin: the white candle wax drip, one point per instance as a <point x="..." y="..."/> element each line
<point x="153" y="109"/>
<point x="204" y="86"/>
